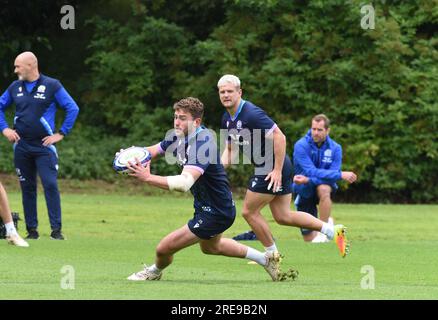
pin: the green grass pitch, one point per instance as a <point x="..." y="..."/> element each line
<point x="394" y="249"/>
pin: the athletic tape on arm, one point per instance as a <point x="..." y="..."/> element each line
<point x="182" y="183"/>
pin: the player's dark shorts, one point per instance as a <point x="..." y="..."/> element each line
<point x="207" y="225"/>
<point x="308" y="205"/>
<point x="258" y="184"/>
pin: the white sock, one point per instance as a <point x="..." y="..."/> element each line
<point x="271" y="248"/>
<point x="330" y="220"/>
<point x="328" y="230"/>
<point x="10" y="229"/>
<point x="255" y="255"/>
<point x="153" y="268"/>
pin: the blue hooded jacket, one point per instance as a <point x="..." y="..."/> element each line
<point x="321" y="165"/>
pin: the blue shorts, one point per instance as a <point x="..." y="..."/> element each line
<point x="258" y="184"/>
<point x="207" y="226"/>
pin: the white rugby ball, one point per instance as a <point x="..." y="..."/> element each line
<point x="121" y="160"/>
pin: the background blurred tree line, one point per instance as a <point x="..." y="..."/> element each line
<point x="127" y="61"/>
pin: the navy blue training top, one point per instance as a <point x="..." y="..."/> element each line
<point x="36" y="108"/>
<point x="199" y="151"/>
<point x="248" y="129"/>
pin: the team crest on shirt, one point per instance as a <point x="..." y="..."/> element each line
<point x="40" y="92"/>
<point x="327" y="156"/>
<point x="20" y="90"/>
<point x="239" y="125"/>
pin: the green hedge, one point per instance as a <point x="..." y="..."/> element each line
<point x="295" y="59"/>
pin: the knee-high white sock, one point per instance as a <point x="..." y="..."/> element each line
<point x="255" y="255"/>
<point x="10" y="228"/>
<point x="328" y="230"/>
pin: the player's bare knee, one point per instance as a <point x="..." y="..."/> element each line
<point x="247" y="214"/>
<point x="213" y="250"/>
<point x="163" y="250"/>
<point x="281" y="219"/>
<point x="324" y="192"/>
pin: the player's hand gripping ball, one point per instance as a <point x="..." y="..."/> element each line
<point x="122" y="158"/>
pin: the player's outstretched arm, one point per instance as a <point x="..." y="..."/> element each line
<point x="155" y="150"/>
<point x="182" y="182"/>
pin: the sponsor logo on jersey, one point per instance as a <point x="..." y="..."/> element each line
<point x="39" y="96"/>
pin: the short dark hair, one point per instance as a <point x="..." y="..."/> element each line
<point x="192" y="105"/>
<point x="322" y="117"/>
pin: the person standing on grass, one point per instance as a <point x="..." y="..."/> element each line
<point x="36" y="97"/>
<point x="197" y="154"/>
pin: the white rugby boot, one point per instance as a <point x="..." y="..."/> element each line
<point x="144" y="275"/>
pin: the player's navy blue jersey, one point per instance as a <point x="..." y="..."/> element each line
<point x="249" y="128"/>
<point x="36" y="108"/>
<point x="211" y="192"/>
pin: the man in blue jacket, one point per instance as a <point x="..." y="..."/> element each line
<point x="317" y="163"/>
<point x="33" y="135"/>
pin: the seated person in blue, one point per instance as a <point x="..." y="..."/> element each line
<point x="317" y="163"/>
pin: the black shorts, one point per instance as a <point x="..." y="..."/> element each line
<point x="207" y="226"/>
<point x="258" y="184"/>
<point x="308" y="205"/>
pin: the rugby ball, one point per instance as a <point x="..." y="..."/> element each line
<point x="122" y="158"/>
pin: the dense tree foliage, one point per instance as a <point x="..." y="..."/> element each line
<point x="295" y="59"/>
